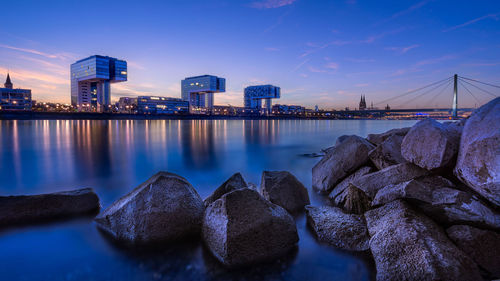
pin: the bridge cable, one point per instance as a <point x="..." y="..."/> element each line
<point x="463" y="85"/>
<point x="480" y="82"/>
<point x="480" y="88"/>
<point x="413" y="91"/>
<point x="442" y="91"/>
<point x="425" y="93"/>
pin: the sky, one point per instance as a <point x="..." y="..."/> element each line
<point x="324" y="53"/>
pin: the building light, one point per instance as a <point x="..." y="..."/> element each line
<point x="123" y="73"/>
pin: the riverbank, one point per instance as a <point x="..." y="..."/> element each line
<point x="32" y="115"/>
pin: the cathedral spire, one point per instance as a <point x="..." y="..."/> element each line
<point x="8" y="83"/>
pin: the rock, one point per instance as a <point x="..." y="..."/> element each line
<point x="353" y="200"/>
<point x="285" y="190"/>
<point x="163" y="208"/>
<point x="430" y="145"/>
<point x="344" y="159"/>
<point x="409" y="246"/>
<point x="443" y="204"/>
<point x="451" y="206"/>
<point x="380" y="138"/>
<point x="332" y="226"/>
<point x="409" y="190"/>
<point x="388" y="153"/>
<point x="338" y="193"/>
<point x="371" y="183"/>
<point x="478" y="163"/>
<point x="481" y="245"/>
<point x="34" y="208"/>
<point x="243" y="228"/>
<point x="236" y="181"/>
<point x="342" y="138"/>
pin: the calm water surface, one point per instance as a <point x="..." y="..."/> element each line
<point x="113" y="157"/>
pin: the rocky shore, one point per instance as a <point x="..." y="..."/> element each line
<point x="424" y="202"/>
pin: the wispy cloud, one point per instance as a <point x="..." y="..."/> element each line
<point x="315" y="47"/>
<point x="402" y="50"/>
<point x="406" y="11"/>
<point x="373" y="38"/>
<point x="36" y="52"/>
<point x="298" y="66"/>
<point x="362" y="85"/>
<point x="493" y="16"/>
<point x="271" y="4"/>
<point x="436" y="60"/>
<point x="332" y="65"/>
<point x="359" y="60"/>
<point x="272" y="49"/>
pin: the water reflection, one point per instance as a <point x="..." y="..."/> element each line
<point x="115" y="156"/>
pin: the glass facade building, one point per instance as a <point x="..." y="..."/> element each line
<point x="90" y="82"/>
<point x="199" y="92"/>
<point x="161" y="105"/>
<point x="254" y="95"/>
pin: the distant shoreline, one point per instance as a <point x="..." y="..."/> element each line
<point x="31" y="115"/>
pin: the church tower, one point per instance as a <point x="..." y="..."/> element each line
<point x="362" y="103"/>
<point x="8" y="83"/>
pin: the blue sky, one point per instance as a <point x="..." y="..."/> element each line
<point x="319" y="52"/>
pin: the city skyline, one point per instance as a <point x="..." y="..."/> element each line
<point x="326" y="53"/>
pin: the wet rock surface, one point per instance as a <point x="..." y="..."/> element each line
<point x="285" y="190"/>
<point x="340" y="162"/>
<point x="336" y="228"/>
<point x="243" y="228"/>
<point x="409" y="246"/>
<point x="236" y="181"/>
<point x="478" y="162"/>
<point x="430" y="145"/>
<point x="164" y="208"/>
<point x="481" y="245"/>
<point x="371" y="183"/>
<point x="388" y="153"/>
<point x="23" y="209"/>
<point x="378" y="139"/>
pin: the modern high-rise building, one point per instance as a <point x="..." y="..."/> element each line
<point x="199" y="91"/>
<point x="161" y="105"/>
<point x="90" y="82"/>
<point x="254" y="95"/>
<point x="14" y="99"/>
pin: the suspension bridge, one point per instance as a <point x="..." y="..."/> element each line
<point x="478" y="91"/>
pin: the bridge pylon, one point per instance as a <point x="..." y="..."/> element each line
<point x="455" y="100"/>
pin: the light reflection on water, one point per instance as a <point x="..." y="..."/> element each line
<point x="115" y="156"/>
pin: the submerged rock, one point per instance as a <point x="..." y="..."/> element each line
<point x="243" y="228"/>
<point x="344" y="159"/>
<point x="332" y="226"/>
<point x="285" y="190"/>
<point x="371" y="183"/>
<point x="478" y="163"/>
<point x="430" y="145"/>
<point x="481" y="245"/>
<point x="409" y="246"/>
<point x="163" y="208"/>
<point x="236" y="181"/>
<point x="33" y="208"/>
<point x="388" y="153"/>
<point x="380" y="138"/>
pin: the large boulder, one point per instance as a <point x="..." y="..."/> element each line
<point x="409" y="246"/>
<point x="338" y="193"/>
<point x="452" y="206"/>
<point x="243" y="228"/>
<point x="165" y="207"/>
<point x="478" y="163"/>
<point x="371" y="183"/>
<point x="34" y="208"/>
<point x="482" y="246"/>
<point x="388" y="153"/>
<point x="380" y="138"/>
<point x="236" y="181"/>
<point x="411" y="190"/>
<point x="332" y="226"/>
<point x="443" y="204"/>
<point x="343" y="160"/>
<point x="353" y="200"/>
<point x="285" y="190"/>
<point x="430" y="145"/>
